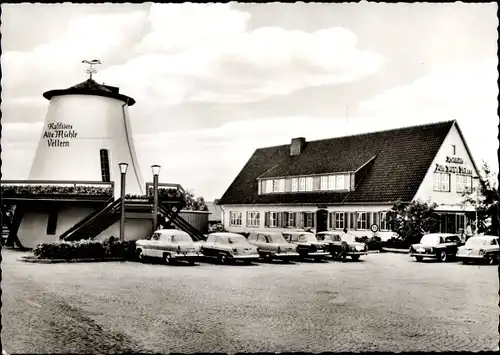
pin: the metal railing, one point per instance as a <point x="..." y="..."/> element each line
<point x="165" y="185"/>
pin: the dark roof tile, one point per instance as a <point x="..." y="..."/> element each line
<point x="403" y="157"/>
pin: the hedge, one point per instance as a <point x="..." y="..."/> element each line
<point x="373" y="243"/>
<point x="29" y="190"/>
<point x="86" y="249"/>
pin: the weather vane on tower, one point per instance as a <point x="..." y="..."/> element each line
<point x="90" y="70"/>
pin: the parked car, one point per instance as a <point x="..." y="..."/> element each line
<point x="441" y="246"/>
<point x="272" y="245"/>
<point x="228" y="247"/>
<point x="170" y="245"/>
<point x="480" y="248"/>
<point x="341" y="245"/>
<point x="307" y="244"/>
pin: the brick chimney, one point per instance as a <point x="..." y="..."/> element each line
<point x="297" y="146"/>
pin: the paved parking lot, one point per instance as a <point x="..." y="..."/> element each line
<point x="386" y="302"/>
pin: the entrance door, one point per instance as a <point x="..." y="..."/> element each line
<point x="321" y="221"/>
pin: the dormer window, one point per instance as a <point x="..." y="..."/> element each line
<point x="327" y="182"/>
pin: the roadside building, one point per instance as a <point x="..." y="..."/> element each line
<point x="351" y="182"/>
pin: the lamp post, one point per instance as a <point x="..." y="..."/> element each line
<point x="156" y="172"/>
<point x="123" y="171"/>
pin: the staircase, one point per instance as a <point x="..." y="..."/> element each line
<point x="94" y="223"/>
<point x="171" y="216"/>
<point x="14" y="228"/>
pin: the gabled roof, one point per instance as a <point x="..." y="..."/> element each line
<point x="402" y="158"/>
<point x="91" y="87"/>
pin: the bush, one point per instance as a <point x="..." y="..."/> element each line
<point x="85" y="249"/>
<point x="397" y="243"/>
<point x="373" y="243"/>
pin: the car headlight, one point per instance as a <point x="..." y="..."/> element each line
<point x="432" y="250"/>
<point x="481" y="251"/>
<point x="235" y="251"/>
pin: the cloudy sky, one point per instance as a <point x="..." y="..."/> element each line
<point x="215" y="82"/>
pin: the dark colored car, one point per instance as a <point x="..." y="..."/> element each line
<point x="440" y="246"/>
<point x="342" y="245"/>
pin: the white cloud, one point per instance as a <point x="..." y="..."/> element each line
<point x="466" y="92"/>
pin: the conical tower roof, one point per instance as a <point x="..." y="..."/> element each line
<point x="91" y="87"/>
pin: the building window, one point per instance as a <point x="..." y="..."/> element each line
<point x="52" y="222"/>
<point x="453" y="149"/>
<point x="269" y="186"/>
<point x="103" y="153"/>
<point x="441" y="182"/>
<point x="460" y="223"/>
<point x="295" y="184"/>
<point x="308" y="220"/>
<point x="273" y="219"/>
<point x="292" y="219"/>
<point x="324" y="183"/>
<point x="281" y="185"/>
<point x="302" y="184"/>
<point x="339" y="220"/>
<point x="253" y="219"/>
<point x="464" y="183"/>
<point x="340" y="181"/>
<point x="309" y="184"/>
<point x="235" y="219"/>
<point x="384" y="226"/>
<point x="276" y="185"/>
<point x="331" y="182"/>
<point x="362" y="221"/>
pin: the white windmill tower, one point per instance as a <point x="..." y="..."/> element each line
<point x="86" y="134"/>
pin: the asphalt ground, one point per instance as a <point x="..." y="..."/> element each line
<point x="385" y="302"/>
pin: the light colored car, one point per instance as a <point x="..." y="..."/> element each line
<point x="341" y="245"/>
<point x="272" y="245"/>
<point x="228" y="247"/>
<point x="169" y="245"/>
<point x="480" y="248"/>
<point x="307" y="244"/>
<point x="441" y="246"/>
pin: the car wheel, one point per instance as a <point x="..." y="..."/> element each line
<point x="192" y="262"/>
<point x="139" y="256"/>
<point x="465" y="261"/>
<point x="222" y="259"/>
<point x="355" y="257"/>
<point x="419" y="258"/>
<point x="493" y="259"/>
<point x="167" y="258"/>
<point x="443" y="256"/>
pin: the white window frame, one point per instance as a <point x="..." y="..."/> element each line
<point x="281" y="185"/>
<point x="302" y="184"/>
<point x="440" y="183"/>
<point x="360" y="221"/>
<point x="235" y="219"/>
<point x="309" y="183"/>
<point x="339" y="182"/>
<point x="323" y="183"/>
<point x="306" y="219"/>
<point x="253" y="219"/>
<point x="462" y="184"/>
<point x="384" y="226"/>
<point x="339" y="222"/>
<point x="295" y="184"/>
<point x="269" y="186"/>
<point x="276" y="185"/>
<point x="273" y="219"/>
<point x="331" y="182"/>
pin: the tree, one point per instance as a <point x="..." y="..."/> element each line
<point x="412" y="220"/>
<point x="194" y="204"/>
<point x="486" y="202"/>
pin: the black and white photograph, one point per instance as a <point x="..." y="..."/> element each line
<point x="249" y="177"/>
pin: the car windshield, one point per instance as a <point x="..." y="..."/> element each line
<point x="430" y="239"/>
<point x="181" y="238"/>
<point x="348" y="238"/>
<point x="276" y="238"/>
<point x="325" y="237"/>
<point x="477" y="242"/>
<point x="305" y="237"/>
<point x="236" y="239"/>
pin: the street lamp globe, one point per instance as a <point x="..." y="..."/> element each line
<point x="123" y="167"/>
<point x="155" y="169"/>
